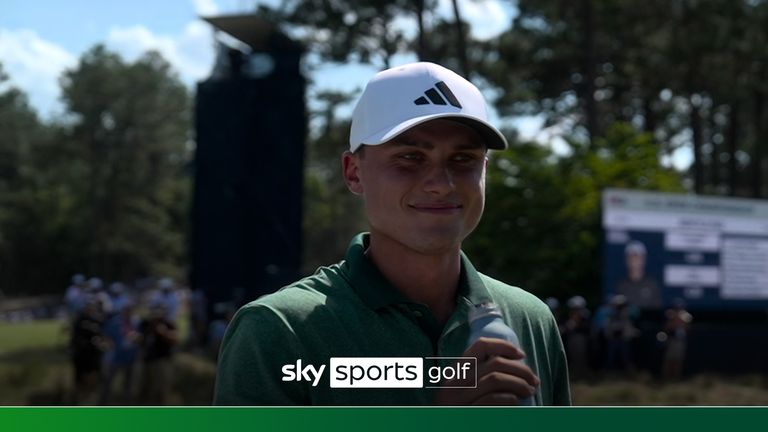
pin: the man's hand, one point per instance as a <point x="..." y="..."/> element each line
<point x="502" y="377"/>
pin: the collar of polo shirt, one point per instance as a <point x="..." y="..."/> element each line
<point x="376" y="292"/>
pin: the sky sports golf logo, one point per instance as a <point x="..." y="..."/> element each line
<point x="387" y="372"/>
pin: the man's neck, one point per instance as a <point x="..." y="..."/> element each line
<point x="428" y="279"/>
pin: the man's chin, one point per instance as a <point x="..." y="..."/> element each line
<point x="426" y="239"/>
<point x="429" y="242"/>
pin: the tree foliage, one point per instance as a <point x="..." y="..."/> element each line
<point x="21" y="134"/>
<point x="131" y="123"/>
<point x="343" y="30"/>
<point x="332" y="215"/>
<point x="691" y="72"/>
<point x="103" y="190"/>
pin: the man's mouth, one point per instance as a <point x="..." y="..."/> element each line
<point x="437" y="208"/>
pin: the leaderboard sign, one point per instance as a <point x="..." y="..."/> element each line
<point x="710" y="252"/>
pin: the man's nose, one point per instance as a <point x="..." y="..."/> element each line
<point x="439" y="179"/>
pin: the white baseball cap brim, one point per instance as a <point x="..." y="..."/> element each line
<point x="492" y="137"/>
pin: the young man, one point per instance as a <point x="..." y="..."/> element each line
<point x="417" y="158"/>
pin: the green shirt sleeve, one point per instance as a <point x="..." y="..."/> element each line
<point x="257" y="344"/>
<point x="561" y="389"/>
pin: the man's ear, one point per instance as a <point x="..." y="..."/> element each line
<point x="350" y="168"/>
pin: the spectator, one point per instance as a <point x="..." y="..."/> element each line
<point x="117" y="297"/>
<point x="167" y="297"/>
<point x="198" y="319"/>
<point x="87" y="348"/>
<point x="554" y="307"/>
<point x="224" y="313"/>
<point x="75" y="296"/>
<point x="122" y="330"/>
<point x="576" y="337"/>
<point x="95" y="289"/>
<point x="676" y="328"/>
<point x="619" y="332"/>
<point x="159" y="339"/>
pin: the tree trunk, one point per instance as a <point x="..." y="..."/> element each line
<point x="715" y="165"/>
<point x="650" y="117"/>
<point x="590" y="105"/>
<point x="691" y="88"/>
<point x="698" y="172"/>
<point x="733" y="145"/>
<point x="94" y="162"/>
<point x="422" y="51"/>
<point x="757" y="152"/>
<point x="461" y="43"/>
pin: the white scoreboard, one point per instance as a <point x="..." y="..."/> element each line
<point x="711" y="252"/>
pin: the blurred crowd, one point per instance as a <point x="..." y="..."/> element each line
<point x="123" y="338"/>
<point x="606" y="342"/>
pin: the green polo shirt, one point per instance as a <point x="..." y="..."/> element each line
<point x="350" y="310"/>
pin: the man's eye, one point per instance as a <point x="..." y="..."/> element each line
<point x="463" y="158"/>
<point x="411" y="156"/>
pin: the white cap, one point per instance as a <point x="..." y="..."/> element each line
<point x="165" y="283"/>
<point x="552" y="302"/>
<point x="95" y="283"/>
<point x="577" y="302"/>
<point x="635" y="247"/>
<point x="400" y="98"/>
<point x="116" y="288"/>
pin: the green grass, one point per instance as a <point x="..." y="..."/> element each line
<point x="701" y="390"/>
<point x="32" y="335"/>
<point x="35" y="367"/>
<point x="33" y="360"/>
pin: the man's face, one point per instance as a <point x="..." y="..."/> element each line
<point x="424" y="189"/>
<point x="636" y="263"/>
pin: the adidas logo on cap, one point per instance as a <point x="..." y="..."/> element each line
<point x="435" y="97"/>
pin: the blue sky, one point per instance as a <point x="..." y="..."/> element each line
<point x="76" y="24"/>
<point x="39" y="39"/>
